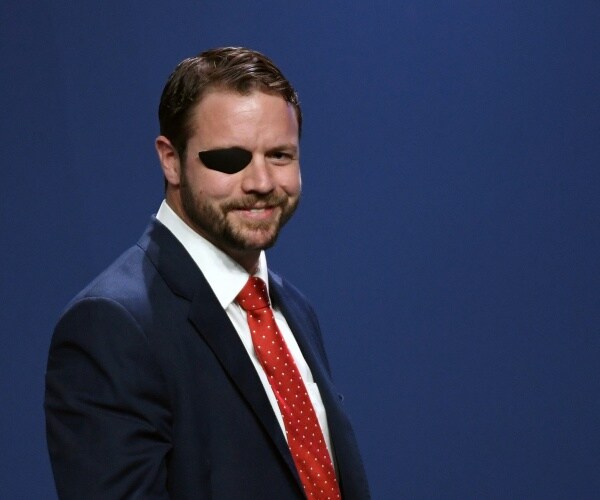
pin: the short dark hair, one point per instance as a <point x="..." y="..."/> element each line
<point x="235" y="69"/>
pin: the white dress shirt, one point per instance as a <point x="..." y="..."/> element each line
<point x="227" y="278"/>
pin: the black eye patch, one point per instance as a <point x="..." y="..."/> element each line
<point x="228" y="160"/>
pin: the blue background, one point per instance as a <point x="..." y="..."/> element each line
<point x="449" y="233"/>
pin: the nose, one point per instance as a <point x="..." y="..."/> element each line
<point x="257" y="176"/>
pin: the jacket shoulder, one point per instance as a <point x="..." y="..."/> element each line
<point x="123" y="281"/>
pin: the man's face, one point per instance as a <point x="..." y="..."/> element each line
<point x="242" y="213"/>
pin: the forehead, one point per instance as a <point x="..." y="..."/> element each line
<point x="227" y="116"/>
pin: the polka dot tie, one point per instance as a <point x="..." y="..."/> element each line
<point x="304" y="434"/>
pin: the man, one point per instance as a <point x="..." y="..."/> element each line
<point x="187" y="369"/>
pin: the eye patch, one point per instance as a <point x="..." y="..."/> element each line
<point x="228" y="160"/>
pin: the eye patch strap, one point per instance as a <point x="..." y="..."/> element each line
<point x="228" y="160"/>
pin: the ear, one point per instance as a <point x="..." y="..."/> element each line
<point x="169" y="160"/>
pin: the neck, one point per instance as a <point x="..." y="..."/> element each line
<point x="248" y="260"/>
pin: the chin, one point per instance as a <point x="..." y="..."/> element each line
<point x="258" y="242"/>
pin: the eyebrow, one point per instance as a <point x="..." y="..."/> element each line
<point x="292" y="148"/>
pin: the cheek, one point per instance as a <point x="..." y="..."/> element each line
<point x="215" y="185"/>
<point x="291" y="182"/>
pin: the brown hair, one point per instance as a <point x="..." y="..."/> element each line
<point x="229" y="68"/>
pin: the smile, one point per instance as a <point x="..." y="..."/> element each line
<point x="256" y="212"/>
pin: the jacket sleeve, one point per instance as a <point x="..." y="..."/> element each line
<point x="107" y="412"/>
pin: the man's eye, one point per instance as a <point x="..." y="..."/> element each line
<point x="281" y="156"/>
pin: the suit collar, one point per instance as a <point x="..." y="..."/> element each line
<point x="170" y="259"/>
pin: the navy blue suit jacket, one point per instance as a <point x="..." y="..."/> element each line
<point x="151" y="394"/>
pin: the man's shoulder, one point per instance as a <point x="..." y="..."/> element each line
<point x="131" y="274"/>
<point x="122" y="279"/>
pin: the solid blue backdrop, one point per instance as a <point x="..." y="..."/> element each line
<point x="448" y="236"/>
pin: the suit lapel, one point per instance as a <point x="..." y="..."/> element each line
<point x="345" y="450"/>
<point x="212" y="323"/>
<point x="215" y="327"/>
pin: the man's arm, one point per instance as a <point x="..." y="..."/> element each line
<point x="107" y="417"/>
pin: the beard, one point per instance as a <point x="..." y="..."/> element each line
<point x="211" y="219"/>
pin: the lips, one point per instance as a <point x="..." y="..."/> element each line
<point x="264" y="209"/>
<point x="256" y="202"/>
<point x="256" y="212"/>
<point x="254" y="208"/>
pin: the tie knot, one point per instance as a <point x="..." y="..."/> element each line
<point x="254" y="295"/>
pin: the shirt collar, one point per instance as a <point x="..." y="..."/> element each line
<point x="224" y="275"/>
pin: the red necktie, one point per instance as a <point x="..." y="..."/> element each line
<point x="304" y="434"/>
